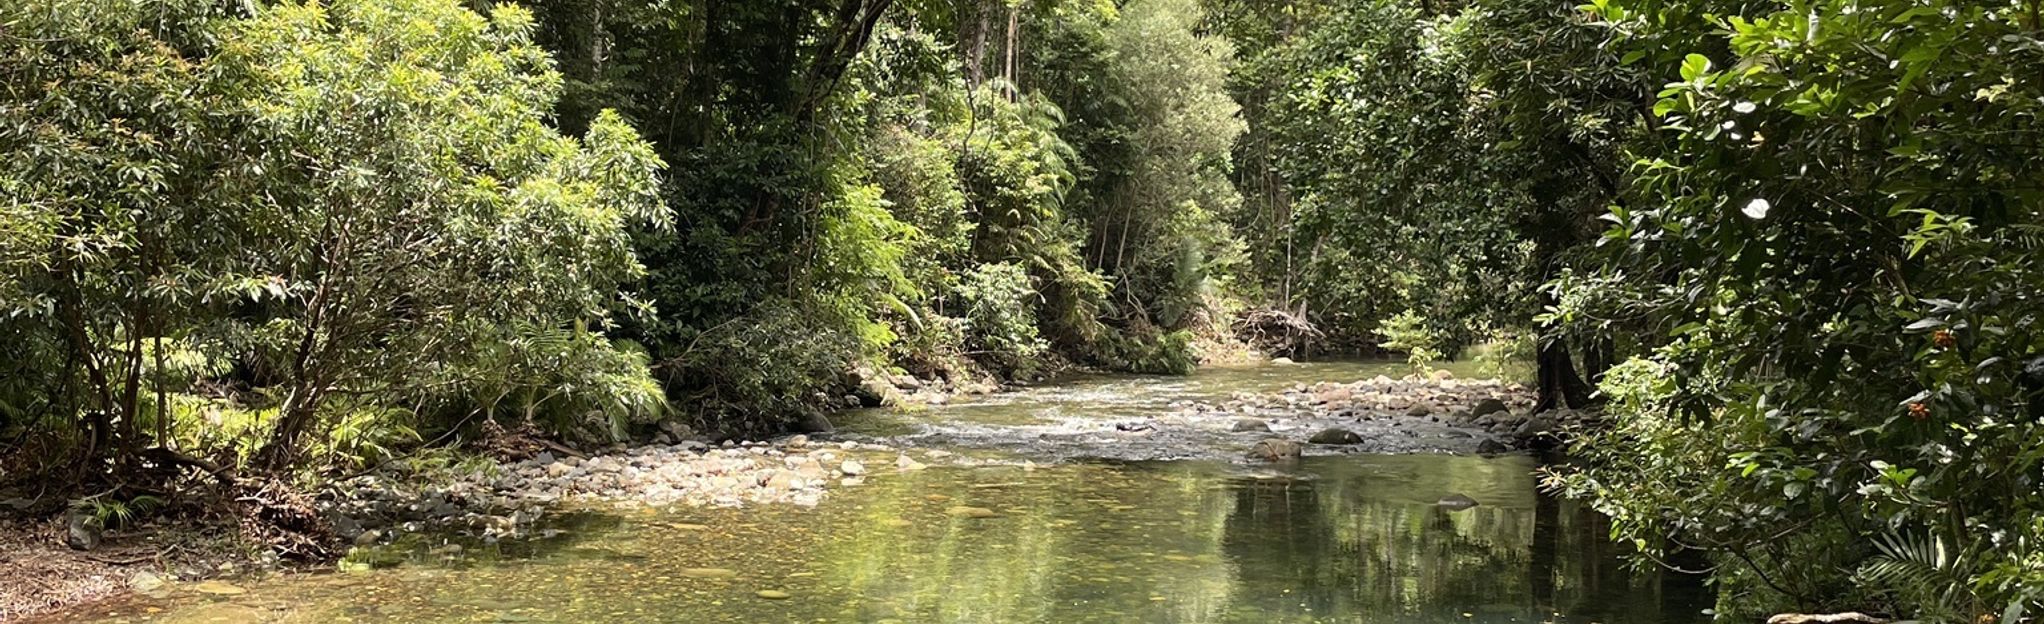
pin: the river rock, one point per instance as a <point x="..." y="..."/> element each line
<point x="1243" y="425"/>
<point x="1282" y="361"/>
<point x="1490" y="446"/>
<point x="1534" y="426"/>
<point x="82" y="531"/>
<point x="815" y="422"/>
<point x="559" y="470"/>
<point x="145" y="582"/>
<point x="1456" y="502"/>
<point x="772" y="594"/>
<point x="1336" y="435"/>
<point x="852" y="468"/>
<point x="1275" y="450"/>
<point x="1487" y="407"/>
<point x="1420" y="410"/>
<point x="907" y="464"/>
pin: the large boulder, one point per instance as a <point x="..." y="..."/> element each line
<point x="1336" y="435"/>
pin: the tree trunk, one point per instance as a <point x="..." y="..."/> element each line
<point x="297" y="414"/>
<point x="1559" y="386"/>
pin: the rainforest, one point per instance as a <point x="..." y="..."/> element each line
<point x="1632" y="311"/>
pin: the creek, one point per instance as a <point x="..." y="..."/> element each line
<point x="1040" y="528"/>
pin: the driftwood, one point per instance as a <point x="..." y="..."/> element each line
<point x="1850" y="617"/>
<point x="1277" y="332"/>
<point x="559" y="448"/>
<point x="167" y="457"/>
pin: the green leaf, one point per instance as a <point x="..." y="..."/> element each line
<point x="1694" y="66"/>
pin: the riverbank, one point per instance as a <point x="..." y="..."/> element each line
<point x="505" y="501"/>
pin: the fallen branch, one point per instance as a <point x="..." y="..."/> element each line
<point x="563" y="449"/>
<point x="169" y="457"/>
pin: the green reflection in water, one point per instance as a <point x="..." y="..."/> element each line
<point x="1337" y="539"/>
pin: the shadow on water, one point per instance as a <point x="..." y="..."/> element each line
<point x="1335" y="539"/>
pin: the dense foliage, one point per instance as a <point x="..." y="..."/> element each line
<point x="304" y="212"/>
<point x="289" y="233"/>
<point x="1819" y="268"/>
<point x="1837" y="253"/>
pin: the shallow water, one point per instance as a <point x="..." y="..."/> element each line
<point x="1104" y="397"/>
<point x="1151" y="418"/>
<point x="1331" y="539"/>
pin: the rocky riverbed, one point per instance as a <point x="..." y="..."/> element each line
<point x="509" y="500"/>
<point x="1435" y="414"/>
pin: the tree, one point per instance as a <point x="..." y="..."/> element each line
<point x="339" y="196"/>
<point x="425" y="200"/>
<point x="109" y="236"/>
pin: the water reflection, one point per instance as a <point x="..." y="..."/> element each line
<point x="1338" y="539"/>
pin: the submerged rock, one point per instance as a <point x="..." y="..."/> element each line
<point x="1336" y="435"/>
<point x="1274" y="450"/>
<point x="218" y="588"/>
<point x="1456" y="502"/>
<point x="815" y="422"/>
<point x="1249" y="424"/>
